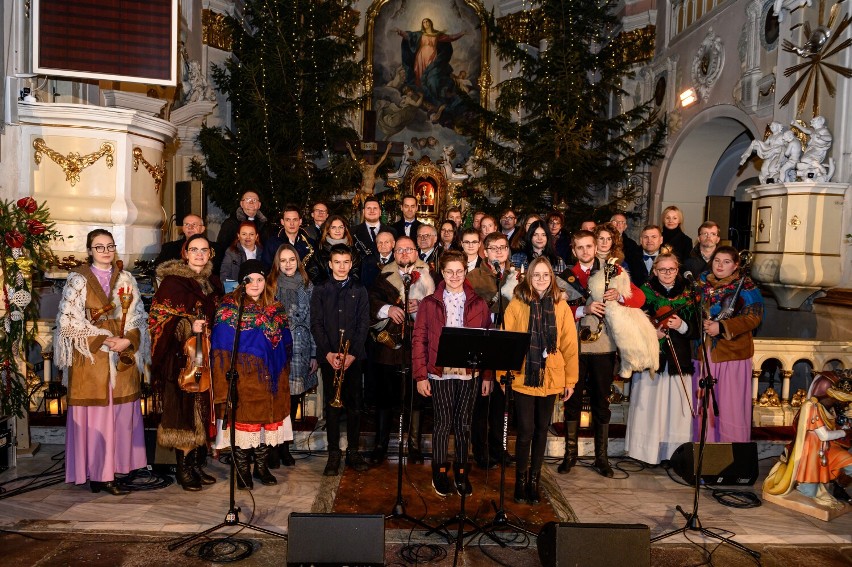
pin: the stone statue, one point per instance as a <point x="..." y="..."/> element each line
<point x="194" y="82"/>
<point x="368" y="170"/>
<point x="782" y="7"/>
<point x="452" y="175"/>
<point x="820" y="451"/>
<point x="810" y="166"/>
<point x="790" y="159"/>
<point x="406" y="161"/>
<point x="771" y="151"/>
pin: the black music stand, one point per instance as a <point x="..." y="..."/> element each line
<point x="478" y="349"/>
<point x="232" y="517"/>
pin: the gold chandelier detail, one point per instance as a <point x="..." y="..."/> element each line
<point x="73" y="163"/>
<point x="156" y="171"/>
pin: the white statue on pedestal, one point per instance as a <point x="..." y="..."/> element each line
<point x="792" y="154"/>
<point x="452" y="174"/>
<point x="771" y="151"/>
<point x="810" y="166"/>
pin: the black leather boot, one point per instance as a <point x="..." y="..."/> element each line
<point x="415" y="454"/>
<point x="521" y="486"/>
<point x="184" y="474"/>
<point x="111" y="487"/>
<point x="332" y="466"/>
<point x="284" y="453"/>
<point x="379" y="454"/>
<point x="274" y="460"/>
<point x="356" y="461"/>
<point x="243" y="468"/>
<point x="572" y="432"/>
<point x="463" y="486"/>
<point x="200" y="463"/>
<point x="261" y="466"/>
<point x="440" y="480"/>
<point x="601" y="445"/>
<point x="532" y="491"/>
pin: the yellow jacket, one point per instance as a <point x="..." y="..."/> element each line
<point x="562" y="368"/>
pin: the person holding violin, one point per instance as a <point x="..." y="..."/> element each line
<point x="262" y="419"/>
<point x="103" y="344"/>
<point x="184" y="303"/>
<point x="733" y="309"/>
<point x="660" y="418"/>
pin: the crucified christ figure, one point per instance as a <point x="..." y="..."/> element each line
<point x="368" y="170"/>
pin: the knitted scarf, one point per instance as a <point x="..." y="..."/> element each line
<point x="542" y="328"/>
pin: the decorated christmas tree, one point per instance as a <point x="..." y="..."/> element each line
<point x="557" y="134"/>
<point x="292" y="83"/>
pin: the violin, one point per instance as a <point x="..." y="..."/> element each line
<point x="195" y="375"/>
<point x="663" y="314"/>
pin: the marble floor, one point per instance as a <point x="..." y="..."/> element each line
<point x="635" y="495"/>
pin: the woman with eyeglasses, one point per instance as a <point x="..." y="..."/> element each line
<point x="561" y="237"/>
<point x="293" y="289"/>
<point x="454" y="304"/>
<point x="105" y="364"/>
<point x="551" y="369"/>
<point x="183" y="307"/>
<point x="660" y="418"/>
<point x="447" y="239"/>
<point x="470" y="248"/>
<point x="335" y="231"/>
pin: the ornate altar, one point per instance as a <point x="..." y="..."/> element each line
<point x="433" y="184"/>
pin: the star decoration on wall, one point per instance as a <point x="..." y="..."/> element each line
<point x="819" y="47"/>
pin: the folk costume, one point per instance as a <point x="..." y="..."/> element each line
<point x="542" y="378"/>
<point x="660" y="418"/>
<point x="104" y="434"/>
<point x="187" y="419"/>
<point x="263" y="390"/>
<point x="391" y="353"/>
<point x="730" y="356"/>
<point x="597" y="361"/>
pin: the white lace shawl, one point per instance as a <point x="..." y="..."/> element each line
<point x="73" y="327"/>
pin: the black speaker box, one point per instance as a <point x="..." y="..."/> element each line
<point x="594" y="545"/>
<point x="335" y="539"/>
<point x="724" y="463"/>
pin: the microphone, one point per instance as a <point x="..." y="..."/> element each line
<point x="497" y="269"/>
<point x="246" y="280"/>
<point x="689" y="277"/>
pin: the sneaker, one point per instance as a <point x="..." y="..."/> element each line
<point x="440" y="480"/>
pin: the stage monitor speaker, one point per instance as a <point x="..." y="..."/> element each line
<point x="335" y="539"/>
<point x="718" y="209"/>
<point x="594" y="545"/>
<point x="189" y="199"/>
<point x="724" y="463"/>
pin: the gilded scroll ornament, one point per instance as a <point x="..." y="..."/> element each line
<point x="156" y="171"/>
<point x="73" y="163"/>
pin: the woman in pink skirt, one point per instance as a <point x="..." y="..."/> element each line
<point x="104" y="365"/>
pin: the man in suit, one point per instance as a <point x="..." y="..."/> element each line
<point x="409" y="224"/>
<point x="370" y="269"/>
<point x="290" y="232"/>
<point x="366" y="232"/>
<point x="427" y="238"/>
<point x="641" y="261"/>
<point x="192" y="225"/>
<point x="508" y="226"/>
<point x="319" y="212"/>
<point x="619" y="220"/>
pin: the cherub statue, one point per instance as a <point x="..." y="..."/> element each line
<point x="771" y="151"/>
<point x="820" y="451"/>
<point x="769" y="399"/>
<point x="368" y="170"/>
<point x="810" y="166"/>
<point x="798" y="398"/>
<point x="405" y="162"/>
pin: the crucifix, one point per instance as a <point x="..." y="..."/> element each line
<point x="369" y="146"/>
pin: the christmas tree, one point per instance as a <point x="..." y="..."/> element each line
<point x="292" y="83"/>
<point x="556" y="134"/>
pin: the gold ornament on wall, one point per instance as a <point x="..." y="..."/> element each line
<point x="157" y="171"/>
<point x="73" y="163"/>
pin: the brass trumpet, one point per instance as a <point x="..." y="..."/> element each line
<point x="342" y="350"/>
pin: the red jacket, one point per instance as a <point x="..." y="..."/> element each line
<point x="432" y="318"/>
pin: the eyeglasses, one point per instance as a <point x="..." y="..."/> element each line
<point x="508" y="217"/>
<point x="423" y="236"/>
<point x="555" y="223"/>
<point x="194" y="250"/>
<point x="454" y="273"/>
<point x="321" y="211"/>
<point x="498" y="248"/>
<point x="544" y="276"/>
<point x="250" y="200"/>
<point x="405" y="250"/>
<point x="470" y="242"/>
<point x="447" y="231"/>
<point x="666" y="270"/>
<point x="619" y="222"/>
<point x="100" y="248"/>
<point x="192" y="224"/>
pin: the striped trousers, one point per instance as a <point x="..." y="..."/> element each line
<point x="452" y="401"/>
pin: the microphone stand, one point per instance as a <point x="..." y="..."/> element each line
<point x="693" y="522"/>
<point x="232" y="517"/>
<point x="398" y="512"/>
